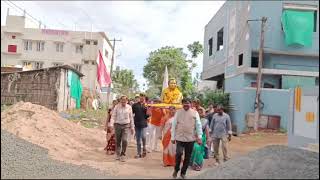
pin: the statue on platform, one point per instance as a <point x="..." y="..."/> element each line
<point x="172" y="94"/>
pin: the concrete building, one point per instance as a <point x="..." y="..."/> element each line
<point x="231" y="45"/>
<point x="41" y="48"/>
<point x="204" y="85"/>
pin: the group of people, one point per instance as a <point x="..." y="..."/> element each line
<point x="192" y="131"/>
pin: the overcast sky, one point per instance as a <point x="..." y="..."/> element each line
<point x="143" y="26"/>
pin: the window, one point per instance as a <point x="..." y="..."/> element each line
<point x="77" y="67"/>
<point x="13" y="37"/>
<point x="38" y="65"/>
<point x="27" y="64"/>
<point x="210" y="46"/>
<point x="79" y="49"/>
<point x="85" y="62"/>
<point x="93" y="63"/>
<point x="254" y="61"/>
<point x="220" y="40"/>
<point x="27" y="45"/>
<point x="40" y="46"/>
<point x="59" y="47"/>
<point x="12" y="48"/>
<point x="106" y="53"/>
<point x="268" y="85"/>
<point x="87" y="42"/>
<point x="254" y="84"/>
<point x="57" y="64"/>
<point x="95" y="42"/>
<point x="240" y="60"/>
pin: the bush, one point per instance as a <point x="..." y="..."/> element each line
<point x="214" y="97"/>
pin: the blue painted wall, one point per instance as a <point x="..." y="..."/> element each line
<point x="274" y="36"/>
<point x="291" y="63"/>
<point x="276" y="101"/>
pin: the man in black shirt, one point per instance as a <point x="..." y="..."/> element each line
<point x="140" y="122"/>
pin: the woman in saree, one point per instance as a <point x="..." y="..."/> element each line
<point x="111" y="141"/>
<point x="169" y="149"/>
<point x="198" y="153"/>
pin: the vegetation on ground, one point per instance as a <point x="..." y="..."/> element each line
<point x="217" y="97"/>
<point x="89" y="118"/>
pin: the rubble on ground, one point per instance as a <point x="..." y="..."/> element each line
<point x="46" y="128"/>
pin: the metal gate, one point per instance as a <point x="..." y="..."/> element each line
<point x="303" y="126"/>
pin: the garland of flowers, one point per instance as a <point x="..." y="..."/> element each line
<point x="172" y="96"/>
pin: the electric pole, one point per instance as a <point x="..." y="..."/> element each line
<point x="259" y="76"/>
<point x="112" y="61"/>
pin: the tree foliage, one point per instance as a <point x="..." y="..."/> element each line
<point x="124" y="82"/>
<point x="178" y="67"/>
<point x="195" y="49"/>
<point x="217" y="97"/>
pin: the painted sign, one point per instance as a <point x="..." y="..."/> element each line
<point x="54" y="32"/>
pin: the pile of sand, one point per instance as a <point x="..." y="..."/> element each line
<point x="44" y="127"/>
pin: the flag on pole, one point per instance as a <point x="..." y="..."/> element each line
<point x="165" y="79"/>
<point x="103" y="76"/>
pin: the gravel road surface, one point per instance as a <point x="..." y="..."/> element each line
<point x="271" y="162"/>
<point x="21" y="160"/>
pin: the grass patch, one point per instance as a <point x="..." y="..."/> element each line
<point x="89" y="118"/>
<point x="4" y="107"/>
<point x="281" y="130"/>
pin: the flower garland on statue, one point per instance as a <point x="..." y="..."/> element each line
<point x="172" y="96"/>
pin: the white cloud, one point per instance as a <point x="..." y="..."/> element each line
<point x="143" y="26"/>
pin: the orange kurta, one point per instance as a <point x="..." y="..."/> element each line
<point x="156" y="116"/>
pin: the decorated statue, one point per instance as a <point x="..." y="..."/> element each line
<point x="172" y="94"/>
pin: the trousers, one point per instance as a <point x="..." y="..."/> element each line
<point x="187" y="147"/>
<point x="121" y="132"/>
<point x="140" y="135"/>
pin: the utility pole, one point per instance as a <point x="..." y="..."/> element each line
<point x="112" y="61"/>
<point x="259" y="76"/>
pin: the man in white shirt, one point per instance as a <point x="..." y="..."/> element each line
<point x="122" y="120"/>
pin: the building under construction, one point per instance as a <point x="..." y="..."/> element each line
<point x="290" y="56"/>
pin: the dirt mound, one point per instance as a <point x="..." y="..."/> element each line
<point x="44" y="127"/>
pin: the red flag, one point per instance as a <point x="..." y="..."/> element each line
<point x="103" y="76"/>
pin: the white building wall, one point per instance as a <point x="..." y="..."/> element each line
<point x="15" y="26"/>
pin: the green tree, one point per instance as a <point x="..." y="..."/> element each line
<point x="178" y="67"/>
<point x="124" y="82"/>
<point x="195" y="49"/>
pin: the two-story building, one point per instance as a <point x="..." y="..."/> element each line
<point x="40" y="48"/>
<point x="231" y="46"/>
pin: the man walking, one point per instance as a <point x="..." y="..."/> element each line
<point x="186" y="129"/>
<point x="122" y="120"/>
<point x="209" y="116"/>
<point x="139" y="110"/>
<point x="155" y="124"/>
<point x="221" y="131"/>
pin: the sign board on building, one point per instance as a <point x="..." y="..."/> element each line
<point x="54" y="32"/>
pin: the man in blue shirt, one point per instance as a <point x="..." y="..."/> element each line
<point x="221" y="131"/>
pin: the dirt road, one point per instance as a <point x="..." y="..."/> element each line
<point x="72" y="143"/>
<point x="152" y="167"/>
